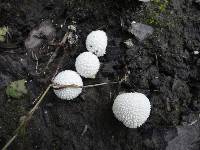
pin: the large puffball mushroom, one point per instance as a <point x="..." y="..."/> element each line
<point x="87" y="64"/>
<point x="96" y="42"/>
<point x="68" y="77"/>
<point x="132" y="109"/>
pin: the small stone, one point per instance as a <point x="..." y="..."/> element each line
<point x="140" y="31"/>
<point x="196" y="52"/>
<point x="129" y="43"/>
<point x="72" y="27"/>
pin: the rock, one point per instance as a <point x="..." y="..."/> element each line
<point x="37" y="43"/>
<point x="140" y="31"/>
<point x="187" y="138"/>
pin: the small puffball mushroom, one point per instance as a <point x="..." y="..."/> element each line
<point x="96" y="42"/>
<point x="132" y="109"/>
<point x="87" y="64"/>
<point x="68" y="77"/>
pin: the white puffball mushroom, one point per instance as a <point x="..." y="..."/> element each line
<point x="87" y="64"/>
<point x="68" y="77"/>
<point x="132" y="109"/>
<point x="96" y="42"/>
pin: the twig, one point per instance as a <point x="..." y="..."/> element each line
<point x="84" y="130"/>
<point x="60" y="63"/>
<point x="53" y="56"/>
<point x="36" y="67"/>
<point x="40" y="99"/>
<point x="100" y="84"/>
<point x="27" y="118"/>
<point x="9" y="142"/>
<point x="37" y="98"/>
<point x="58" y="86"/>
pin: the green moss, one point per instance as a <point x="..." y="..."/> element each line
<point x="3" y="32"/>
<point x="156" y="9"/>
<point x="17" y="89"/>
<point x="161" y="4"/>
<point x="151" y="20"/>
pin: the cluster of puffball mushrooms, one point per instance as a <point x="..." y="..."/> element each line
<point x="132" y="109"/>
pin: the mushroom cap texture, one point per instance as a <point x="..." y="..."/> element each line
<point x="87" y="64"/>
<point x="68" y="77"/>
<point x="96" y="42"/>
<point x="132" y="109"/>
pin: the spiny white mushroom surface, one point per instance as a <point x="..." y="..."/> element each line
<point x="68" y="77"/>
<point x="132" y="109"/>
<point x="96" y="42"/>
<point x="87" y="64"/>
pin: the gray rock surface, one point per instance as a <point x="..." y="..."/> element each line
<point x="140" y="31"/>
<point x="187" y="138"/>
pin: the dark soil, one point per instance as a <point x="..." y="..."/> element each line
<point x="165" y="67"/>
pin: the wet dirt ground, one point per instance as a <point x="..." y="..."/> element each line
<point x="165" y="67"/>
